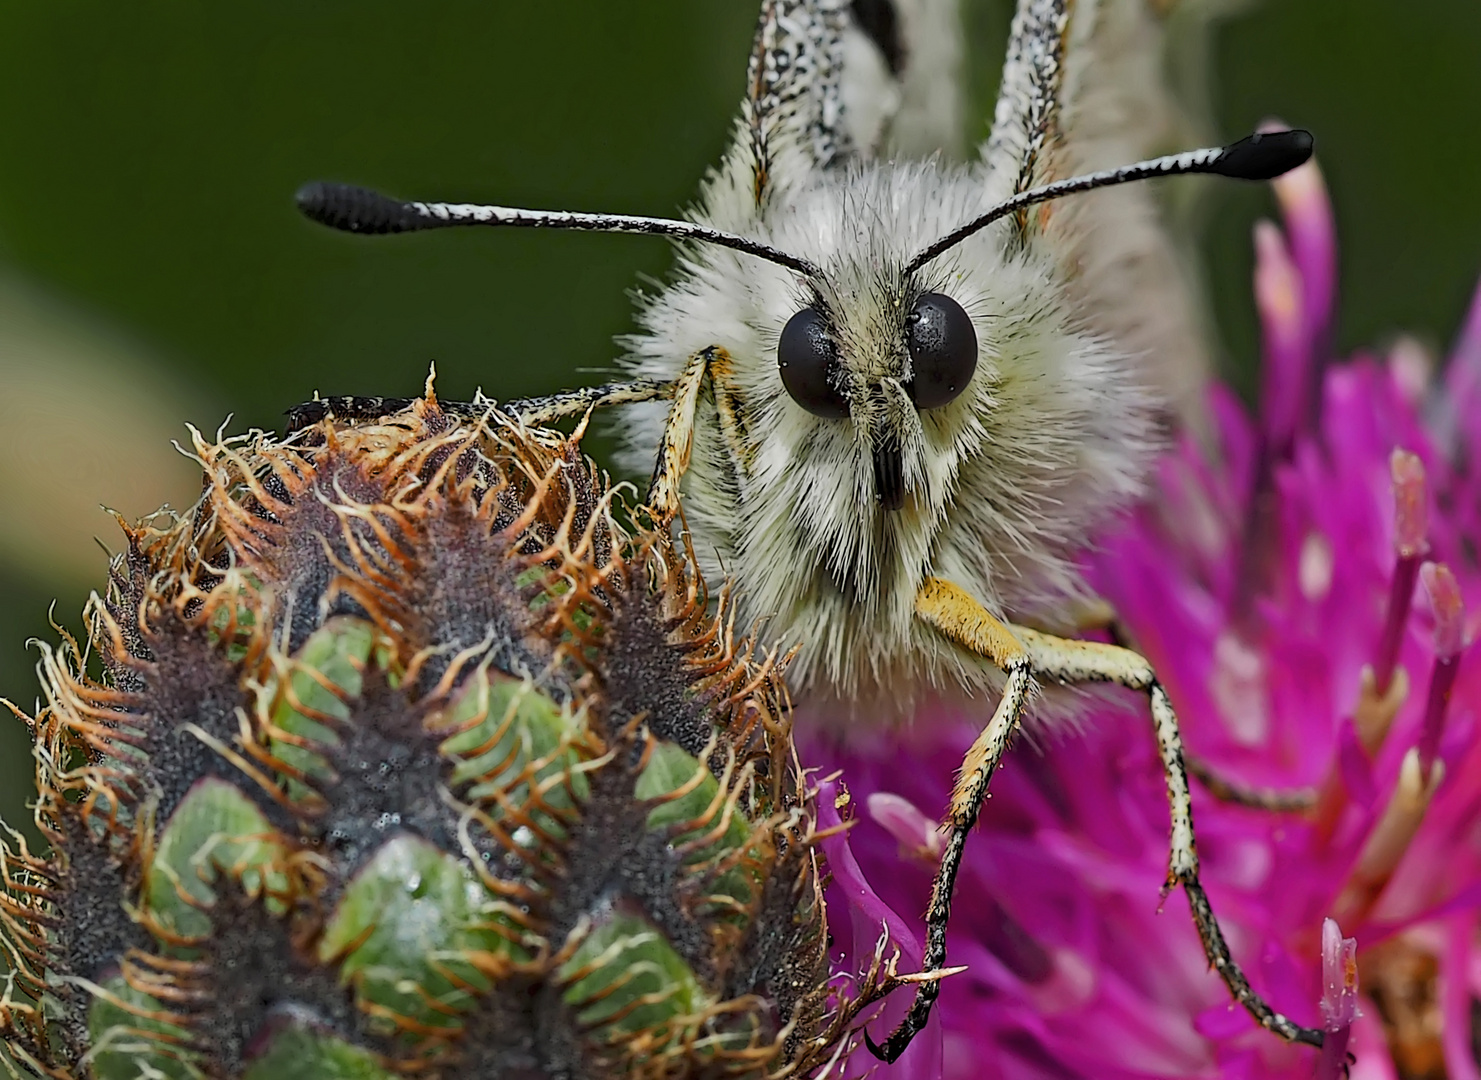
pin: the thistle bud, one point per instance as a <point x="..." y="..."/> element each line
<point x="398" y="756"/>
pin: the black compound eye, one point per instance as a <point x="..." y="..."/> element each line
<point x="943" y="350"/>
<point x="808" y="361"/>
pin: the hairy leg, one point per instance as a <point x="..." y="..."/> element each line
<point x="710" y="365"/>
<point x="1069" y="662"/>
<point x="1024" y="655"/>
<point x="1271" y="800"/>
<point x="960" y="618"/>
<point x="536" y="410"/>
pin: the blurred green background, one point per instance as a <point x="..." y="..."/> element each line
<point x="153" y="270"/>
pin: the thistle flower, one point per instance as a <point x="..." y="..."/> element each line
<point x="1307" y="591"/>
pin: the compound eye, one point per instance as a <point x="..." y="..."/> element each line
<point x="943" y="350"/>
<point x="808" y="361"/>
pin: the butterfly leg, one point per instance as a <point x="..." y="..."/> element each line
<point x="964" y="621"/>
<point x="1060" y="660"/>
<point x="1221" y="787"/>
<point x="552" y="407"/>
<point x="533" y="411"/>
<point x="1238" y="793"/>
<point x="708" y="365"/>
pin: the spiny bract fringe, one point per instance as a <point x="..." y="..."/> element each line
<point x="398" y="757"/>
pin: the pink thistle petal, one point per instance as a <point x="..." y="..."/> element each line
<point x="920" y="837"/>
<point x="1369" y="1045"/>
<point x="1375" y="711"/>
<point x="1356" y="769"/>
<point x="1455" y="998"/>
<point x="1278" y="298"/>
<point x="1307" y="213"/>
<point x="1339" y="999"/>
<point x="1389" y="839"/>
<point x="1222" y="1022"/>
<point x="1449" y="610"/>
<point x="1339" y="977"/>
<point x="1412" y="368"/>
<point x="1401" y="595"/>
<point x="1411" y="530"/>
<point x="1411" y="513"/>
<point x="867" y="915"/>
<point x="1448" y="607"/>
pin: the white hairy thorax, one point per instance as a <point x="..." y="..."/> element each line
<point x="1005" y="484"/>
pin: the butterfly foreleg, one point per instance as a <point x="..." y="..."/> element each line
<point x="709" y="365"/>
<point x="961" y="619"/>
<point x="1055" y="659"/>
<point x="536" y="411"/>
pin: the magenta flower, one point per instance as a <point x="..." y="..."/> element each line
<point x="1306" y="589"/>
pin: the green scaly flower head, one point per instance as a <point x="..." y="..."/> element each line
<point x="398" y="756"/>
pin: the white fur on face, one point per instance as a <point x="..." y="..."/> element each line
<point x="1003" y="484"/>
<point x="1086" y="335"/>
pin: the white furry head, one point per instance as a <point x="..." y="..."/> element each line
<point x="1002" y="485"/>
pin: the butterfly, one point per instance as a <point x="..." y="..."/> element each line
<point x="890" y="396"/>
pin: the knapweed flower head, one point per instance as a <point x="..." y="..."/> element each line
<point x="399" y="756"/>
<point x="1306" y="583"/>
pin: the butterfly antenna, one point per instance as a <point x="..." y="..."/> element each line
<point x="1262" y="156"/>
<point x="361" y="210"/>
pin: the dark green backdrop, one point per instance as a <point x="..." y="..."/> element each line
<point x="149" y="151"/>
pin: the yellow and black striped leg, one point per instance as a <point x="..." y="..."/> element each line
<point x="711" y="364"/>
<point x="1055" y="659"/>
<point x="1026" y="655"/>
<point x="536" y="411"/>
<point x="964" y="621"/>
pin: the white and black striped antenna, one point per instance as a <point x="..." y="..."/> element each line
<point x="360" y="210"/>
<point x="1261" y="156"/>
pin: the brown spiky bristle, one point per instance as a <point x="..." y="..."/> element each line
<point x="398" y="756"/>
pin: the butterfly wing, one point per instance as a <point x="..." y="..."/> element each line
<point x="833" y="80"/>
<point x="1083" y="89"/>
<point x="792" y="113"/>
<point x="902" y="78"/>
